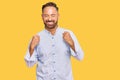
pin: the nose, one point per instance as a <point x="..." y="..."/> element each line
<point x="49" y="18"/>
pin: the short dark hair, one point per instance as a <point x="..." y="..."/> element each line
<point x="52" y="4"/>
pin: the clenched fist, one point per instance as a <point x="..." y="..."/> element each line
<point x="68" y="39"/>
<point x="34" y="43"/>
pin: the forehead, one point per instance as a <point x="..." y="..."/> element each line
<point x="49" y="10"/>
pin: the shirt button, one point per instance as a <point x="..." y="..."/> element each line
<point x="53" y="45"/>
<point x="53" y="61"/>
<point x="54" y="78"/>
<point x="53" y="54"/>
<point x="54" y="70"/>
<point x="52" y="37"/>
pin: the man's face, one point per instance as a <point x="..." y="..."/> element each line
<point x="50" y="17"/>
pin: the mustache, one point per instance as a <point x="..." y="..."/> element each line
<point x="49" y="21"/>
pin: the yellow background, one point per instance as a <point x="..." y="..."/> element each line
<point x="96" y="23"/>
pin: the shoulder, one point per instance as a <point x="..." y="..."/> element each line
<point x="65" y="30"/>
<point x="41" y="32"/>
<point x="69" y="31"/>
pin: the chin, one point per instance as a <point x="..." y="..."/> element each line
<point x="50" y="27"/>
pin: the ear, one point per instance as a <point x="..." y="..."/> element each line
<point x="42" y="16"/>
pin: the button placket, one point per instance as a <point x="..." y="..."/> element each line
<point x="53" y="54"/>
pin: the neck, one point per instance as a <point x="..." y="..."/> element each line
<point x="52" y="31"/>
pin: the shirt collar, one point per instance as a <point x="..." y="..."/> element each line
<point x="55" y="31"/>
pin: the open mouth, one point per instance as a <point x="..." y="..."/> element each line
<point x="50" y="22"/>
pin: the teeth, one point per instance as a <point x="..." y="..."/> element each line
<point x="49" y="22"/>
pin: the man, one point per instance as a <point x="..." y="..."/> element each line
<point x="52" y="48"/>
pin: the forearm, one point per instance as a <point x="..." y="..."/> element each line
<point x="77" y="52"/>
<point x="73" y="47"/>
<point x="30" y="57"/>
<point x="31" y="50"/>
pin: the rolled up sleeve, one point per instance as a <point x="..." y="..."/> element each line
<point x="31" y="60"/>
<point x="78" y="53"/>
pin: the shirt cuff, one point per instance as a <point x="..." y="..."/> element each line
<point x="32" y="57"/>
<point x="73" y="52"/>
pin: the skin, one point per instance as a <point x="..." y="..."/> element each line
<point x="50" y="18"/>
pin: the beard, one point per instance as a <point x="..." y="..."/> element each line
<point x="50" y="24"/>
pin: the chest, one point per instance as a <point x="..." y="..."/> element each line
<point x="52" y="44"/>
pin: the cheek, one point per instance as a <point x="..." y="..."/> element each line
<point x="44" y="19"/>
<point x="55" y="19"/>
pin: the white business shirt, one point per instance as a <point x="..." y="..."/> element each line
<point x="52" y="56"/>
